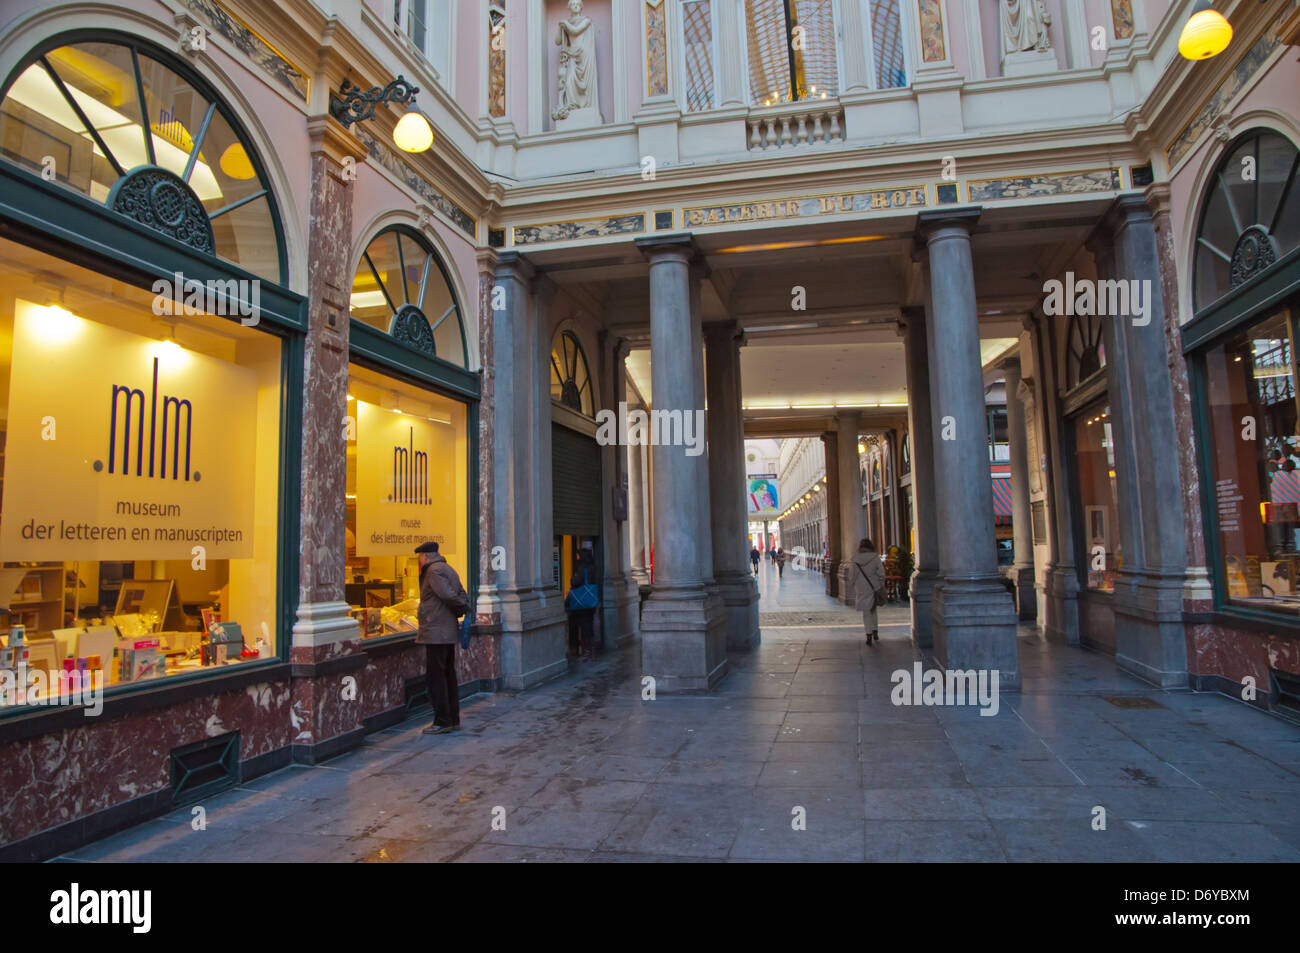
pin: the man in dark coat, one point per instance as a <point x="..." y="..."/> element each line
<point x="440" y="590"/>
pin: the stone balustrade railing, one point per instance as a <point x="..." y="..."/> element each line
<point x="795" y="124"/>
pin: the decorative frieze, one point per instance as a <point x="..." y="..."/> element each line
<point x="1232" y="84"/>
<point x="497" y="59"/>
<point x="581" y="228"/>
<point x="810" y="206"/>
<point x="417" y="183"/>
<point x="933" y="49"/>
<point x="282" y="73"/>
<point x="1121" y="13"/>
<point x="656" y="48"/>
<point x="1038" y="186"/>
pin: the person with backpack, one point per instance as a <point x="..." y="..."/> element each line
<point x="868" y="581"/>
<point x="442" y="601"/>
<point x="582" y="601"/>
<point x="754" y="557"/>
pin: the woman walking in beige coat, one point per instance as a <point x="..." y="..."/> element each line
<point x="868" y="575"/>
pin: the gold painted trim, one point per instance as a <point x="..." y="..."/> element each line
<point x="687" y="209"/>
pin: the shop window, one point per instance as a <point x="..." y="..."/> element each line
<point x="1250" y="383"/>
<point x="999" y="447"/>
<point x="570" y="379"/>
<point x="407" y="483"/>
<point x="1097" y="506"/>
<point x="130" y="127"/>
<point x="1250" y="218"/>
<point x="401" y="288"/>
<point x="905" y="457"/>
<point x="139" y="484"/>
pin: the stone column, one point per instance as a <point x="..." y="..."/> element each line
<point x="619" y="600"/>
<point x="683" y="631"/>
<point x="728" y="516"/>
<point x="323" y="630"/>
<point x="533" y="625"/>
<point x="1149" y="631"/>
<point x="852" y="520"/>
<point x="974" y="621"/>
<point x="636" y="513"/>
<point x="1061" y="603"/>
<point x="1022" y="572"/>
<point x="543" y="538"/>
<point x="830" y="440"/>
<point x="696" y="426"/>
<point x="731" y="77"/>
<point x="854" y="63"/>
<point x="925" y="572"/>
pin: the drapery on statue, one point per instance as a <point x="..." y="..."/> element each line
<point x="1024" y="25"/>
<point x="576" y="80"/>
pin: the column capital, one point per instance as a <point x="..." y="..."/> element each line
<point x="543" y="288"/>
<point x="486" y="259"/>
<point x="929" y="223"/>
<point x="1011" y="364"/>
<point x="719" y="332"/>
<point x="512" y="264"/>
<point x="679" y="246"/>
<point x="1127" y="209"/>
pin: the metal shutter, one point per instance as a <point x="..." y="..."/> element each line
<point x="575" y="482"/>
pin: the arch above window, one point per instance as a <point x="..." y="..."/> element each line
<point x="109" y="116"/>
<point x="1085" y="352"/>
<point x="1250" y="214"/>
<point x="570" y="378"/>
<point x="402" y="288"/>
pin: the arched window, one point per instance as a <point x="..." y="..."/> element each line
<point x="570" y="380"/>
<point x="132" y="127"/>
<point x="1250" y="217"/>
<point x="401" y="287"/>
<point x="1085" y="353"/>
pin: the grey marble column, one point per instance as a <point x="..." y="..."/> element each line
<point x="1061" y="602"/>
<point x="683" y="629"/>
<point x="1022" y="572"/>
<point x="831" y="501"/>
<point x="620" y="600"/>
<point x="533" y="627"/>
<point x="1149" y="632"/>
<point x="540" y="483"/>
<point x="853" y="521"/>
<point x="728" y="517"/>
<point x="636" y="514"/>
<point x="974" y="621"/>
<point x="925" y="571"/>
<point x="699" y="272"/>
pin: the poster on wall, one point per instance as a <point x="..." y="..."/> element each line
<point x="761" y="499"/>
<point x="406" y="482"/>
<point x="123" y="446"/>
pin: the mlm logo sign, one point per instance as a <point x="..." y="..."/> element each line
<point x="410" y="473"/>
<point x="127" y="399"/>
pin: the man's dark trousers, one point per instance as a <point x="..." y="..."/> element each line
<point x="444" y="690"/>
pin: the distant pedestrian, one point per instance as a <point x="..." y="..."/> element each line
<point x="442" y="601"/>
<point x="868" y="575"/>
<point x="582" y="601"/>
<point x="754" y="558"/>
<point x="780" y="563"/>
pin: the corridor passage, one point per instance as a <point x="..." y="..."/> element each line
<point x="583" y="769"/>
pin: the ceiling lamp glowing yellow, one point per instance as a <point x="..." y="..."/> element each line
<point x="1205" y="34"/>
<point x="413" y="132"/>
<point x="235" y="162"/>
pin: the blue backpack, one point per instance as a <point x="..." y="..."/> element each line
<point x="586" y="596"/>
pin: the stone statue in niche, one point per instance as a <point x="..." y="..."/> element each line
<point x="1026" y="44"/>
<point x="1024" y="26"/>
<point x="576" y="102"/>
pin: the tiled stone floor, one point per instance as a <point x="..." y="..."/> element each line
<point x="583" y="770"/>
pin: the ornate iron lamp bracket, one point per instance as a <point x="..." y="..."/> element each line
<point x="353" y="104"/>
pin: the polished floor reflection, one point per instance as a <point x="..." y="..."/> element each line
<point x="582" y="769"/>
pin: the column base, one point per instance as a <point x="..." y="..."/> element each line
<point x="1150" y="637"/>
<point x="1062" y="621"/>
<point x="739" y="594"/>
<point x="620" y="615"/>
<point x="1026" y="598"/>
<point x="684" y="639"/>
<point x="534" y="637"/>
<point x="832" y="571"/>
<point x="975" y="628"/>
<point x="921" y="596"/>
<point x="842" y="582"/>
